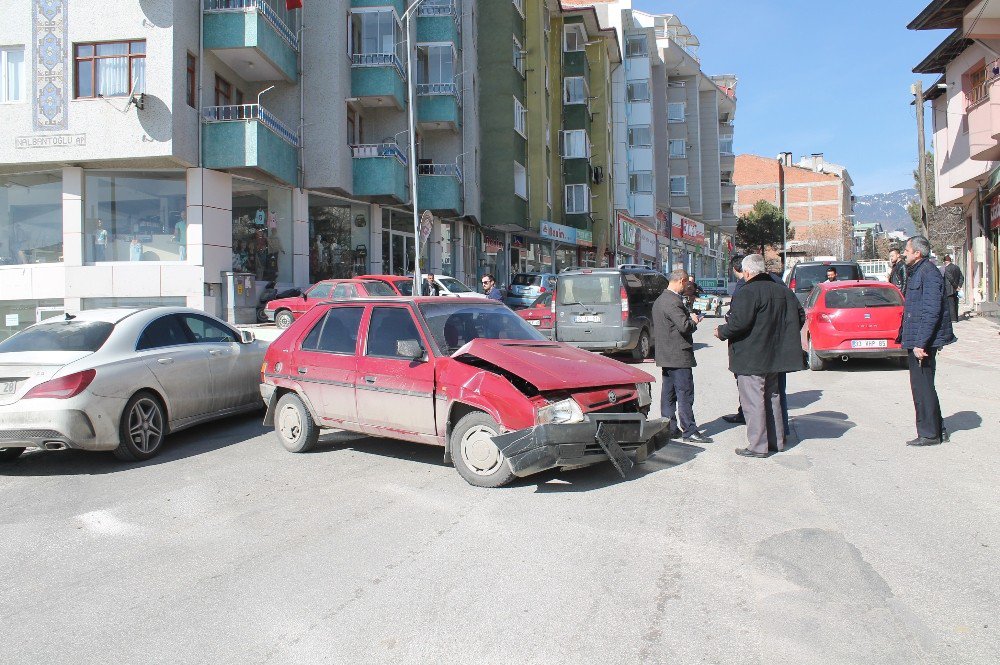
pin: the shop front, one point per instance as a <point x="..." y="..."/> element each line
<point x="570" y="246"/>
<point x="530" y="254"/>
<point x="31" y="218"/>
<point x="690" y="235"/>
<point x="494" y="247"/>
<point x="990" y="254"/>
<point x="338" y="238"/>
<point x="647" y="247"/>
<point x="262" y="230"/>
<point x="628" y="240"/>
<point x="398" y="244"/>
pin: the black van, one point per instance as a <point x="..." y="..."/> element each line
<point x="806" y="274"/>
<point x="608" y="310"/>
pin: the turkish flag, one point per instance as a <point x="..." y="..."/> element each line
<point x="293" y="4"/>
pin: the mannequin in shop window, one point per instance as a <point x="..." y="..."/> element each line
<point x="260" y="253"/>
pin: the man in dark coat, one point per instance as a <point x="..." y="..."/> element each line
<point x="764" y="343"/>
<point x="926" y="328"/>
<point x="953" y="281"/>
<point x="897" y="270"/>
<point x="673" y="330"/>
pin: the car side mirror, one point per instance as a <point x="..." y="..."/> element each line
<point x="247" y="336"/>
<point x="410" y="348"/>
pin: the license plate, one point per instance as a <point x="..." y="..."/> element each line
<point x="588" y="318"/>
<point x="535" y="322"/>
<point x="8" y="387"/>
<point x="869" y="343"/>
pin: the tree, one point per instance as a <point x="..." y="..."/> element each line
<point x="882" y="246"/>
<point x="868" y="249"/>
<point x="946" y="223"/>
<point x="762" y="226"/>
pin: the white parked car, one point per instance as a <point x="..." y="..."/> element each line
<point x="450" y="286"/>
<point x="122" y="379"/>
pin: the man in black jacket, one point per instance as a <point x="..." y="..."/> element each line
<point x="763" y="334"/>
<point x="673" y="329"/>
<point x="953" y="281"/>
<point x="897" y="269"/>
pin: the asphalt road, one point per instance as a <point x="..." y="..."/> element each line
<point x="849" y="547"/>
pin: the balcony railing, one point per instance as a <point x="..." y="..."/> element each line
<point x="369" y="150"/>
<point x="250" y="113"/>
<point x="452" y="170"/>
<point x="378" y="60"/>
<point x="980" y="92"/>
<point x="255" y="6"/>
<point x="437" y="89"/>
<point x="437" y="8"/>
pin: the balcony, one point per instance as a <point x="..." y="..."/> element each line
<point x="439" y="188"/>
<point x="437" y="22"/>
<point x="250" y="37"/>
<point x="378" y="80"/>
<point x="727" y="161"/>
<point x="438" y="106"/>
<point x="380" y="172"/>
<point x="728" y="192"/>
<point x="248" y="136"/>
<point x="983" y="116"/>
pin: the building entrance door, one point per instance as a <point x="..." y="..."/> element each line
<point x="398" y="251"/>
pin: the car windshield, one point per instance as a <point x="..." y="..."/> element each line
<point x="60" y="336"/>
<point x="406" y="288"/>
<point x="589" y="289"/>
<point x="378" y="289"/>
<point x="455" y="325"/>
<point x="862" y="297"/>
<point x="524" y="279"/>
<point x="453" y="285"/>
<point x="807" y="276"/>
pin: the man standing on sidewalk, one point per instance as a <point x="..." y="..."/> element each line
<point x="953" y="281"/>
<point x="897" y="269"/>
<point x="764" y="343"/>
<point x="926" y="328"/>
<point x="673" y="329"/>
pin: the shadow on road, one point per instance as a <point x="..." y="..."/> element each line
<point x="863" y="365"/>
<point x="187" y="443"/>
<point x="819" y="425"/>
<point x="962" y="421"/>
<point x="803" y="398"/>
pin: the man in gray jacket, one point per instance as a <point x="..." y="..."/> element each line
<point x="673" y="331"/>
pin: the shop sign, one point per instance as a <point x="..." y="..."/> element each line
<point x="995" y="213"/>
<point x="492" y="245"/>
<point x="559" y="233"/>
<point x="691" y="231"/>
<point x="584" y="238"/>
<point x="626" y="232"/>
<point x="648" y="242"/>
<point x="517" y="241"/>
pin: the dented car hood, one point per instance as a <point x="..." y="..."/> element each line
<point x="551" y="366"/>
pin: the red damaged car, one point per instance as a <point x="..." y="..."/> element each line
<point x="467" y="375"/>
<point x="853" y="319"/>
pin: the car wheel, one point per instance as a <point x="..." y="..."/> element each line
<point x="294" y="425"/>
<point x="261" y="315"/>
<point x="476" y="457"/>
<point x="283" y="319"/>
<point x="142" y="429"/>
<point x="10" y="454"/>
<point x="642" y="348"/>
<point x="816" y="363"/>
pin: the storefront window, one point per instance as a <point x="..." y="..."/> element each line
<point x="31" y="227"/>
<point x="470" y="247"/>
<point x="588" y="258"/>
<point x="262" y="230"/>
<point x="338" y="235"/>
<point x="447" y="249"/>
<point x="397" y="242"/>
<point x="16" y="315"/>
<point x="565" y="257"/>
<point x="135" y="216"/>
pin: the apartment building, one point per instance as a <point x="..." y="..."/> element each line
<point x="816" y="196"/>
<point x="965" y="116"/>
<point x="155" y="147"/>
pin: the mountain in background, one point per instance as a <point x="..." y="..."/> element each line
<point x="888" y="209"/>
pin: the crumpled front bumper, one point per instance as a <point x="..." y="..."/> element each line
<point x="544" y="447"/>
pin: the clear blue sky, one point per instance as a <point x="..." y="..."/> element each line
<point x="830" y="77"/>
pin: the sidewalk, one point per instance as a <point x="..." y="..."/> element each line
<point x="978" y="343"/>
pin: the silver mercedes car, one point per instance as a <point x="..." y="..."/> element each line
<point x="122" y="379"/>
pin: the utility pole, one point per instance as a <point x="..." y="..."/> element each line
<point x="918" y="99"/>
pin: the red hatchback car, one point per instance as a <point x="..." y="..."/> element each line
<point x="284" y="311"/>
<point x="853" y="319"/>
<point x="467" y="375"/>
<point x="540" y="314"/>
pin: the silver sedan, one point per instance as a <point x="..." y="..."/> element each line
<point x="122" y="379"/>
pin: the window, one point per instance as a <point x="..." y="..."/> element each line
<point x="520" y="181"/>
<point x="574" y="38"/>
<point x="635" y="46"/>
<point x="31" y="218"/>
<point x="60" y="336"/>
<point x="191" y="85"/>
<point x="640" y="136"/>
<point x="352" y="127"/>
<point x="678" y="148"/>
<point x="223" y="91"/>
<point x="110" y="69"/>
<point x="575" y="90"/>
<point x="676" y="111"/>
<point x="337" y="332"/>
<point x="375" y="33"/>
<point x="388" y="327"/>
<point x="576" y="144"/>
<point x="344" y="291"/>
<point x="518" y="57"/>
<point x="726" y="145"/>
<point x="577" y="199"/>
<point x="436" y="64"/>
<point x="640" y="183"/>
<point x="520" y="118"/>
<point x="637" y="91"/>
<point x="206" y="331"/>
<point x="164" y="331"/>
<point x="678" y="185"/>
<point x="12" y="74"/>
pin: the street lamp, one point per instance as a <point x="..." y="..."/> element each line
<point x="411" y="123"/>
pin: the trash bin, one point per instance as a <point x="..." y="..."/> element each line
<point x="239" y="297"/>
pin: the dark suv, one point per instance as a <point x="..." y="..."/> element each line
<point x="806" y="274"/>
<point x="608" y="309"/>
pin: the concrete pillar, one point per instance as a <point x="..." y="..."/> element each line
<point x="210" y="233"/>
<point x="458" y="250"/>
<point x="434" y="248"/>
<point x="375" y="241"/>
<point x="300" y="238"/>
